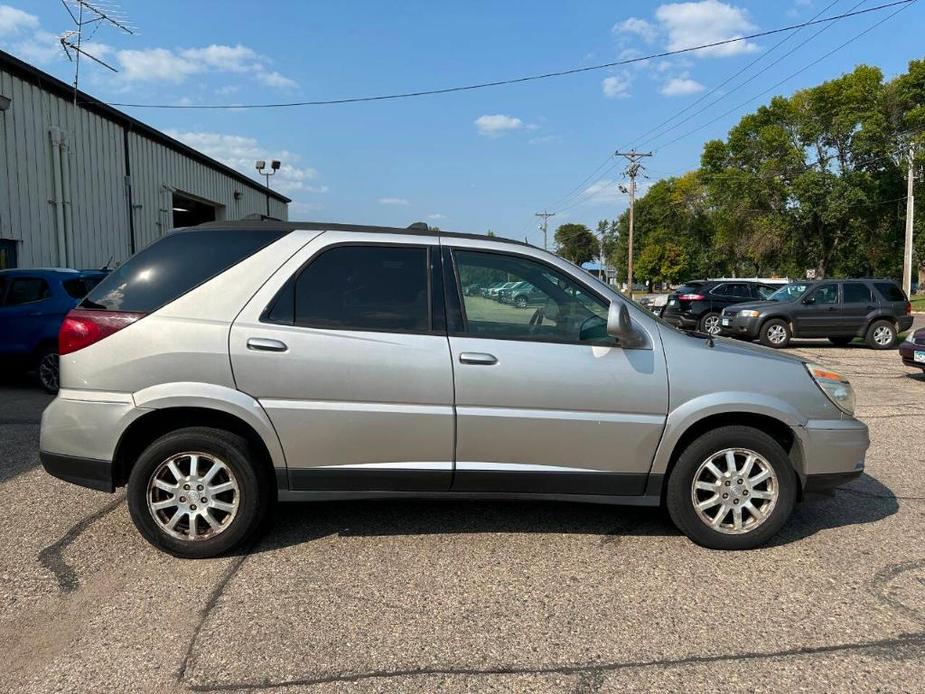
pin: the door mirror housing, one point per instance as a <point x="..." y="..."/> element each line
<point x="620" y="326"/>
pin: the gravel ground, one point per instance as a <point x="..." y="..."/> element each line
<point x="427" y="596"/>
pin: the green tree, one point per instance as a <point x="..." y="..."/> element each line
<point x="576" y="243"/>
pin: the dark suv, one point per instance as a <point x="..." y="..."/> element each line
<point x="697" y="305"/>
<point x="841" y="310"/>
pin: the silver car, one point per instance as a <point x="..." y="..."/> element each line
<point x="231" y="365"/>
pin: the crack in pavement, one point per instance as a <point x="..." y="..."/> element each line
<point x="879" y="586"/>
<point x="592" y="672"/>
<point x="52" y="557"/>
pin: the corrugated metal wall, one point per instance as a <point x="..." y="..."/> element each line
<point x="94" y="193"/>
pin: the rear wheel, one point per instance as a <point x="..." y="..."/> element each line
<point x="775" y="333"/>
<point x="520" y="302"/>
<point x="709" y="323"/>
<point x="196" y="493"/>
<point x="732" y="488"/>
<point x="881" y="335"/>
<point x="46" y="369"/>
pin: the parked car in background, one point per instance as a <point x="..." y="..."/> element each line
<point x="697" y="305"/>
<point x="32" y="305"/>
<point x="472" y="290"/>
<point x="495" y="292"/>
<point x="912" y="349"/>
<point x="840" y="310"/>
<point x="230" y="365"/>
<point x="522" y="295"/>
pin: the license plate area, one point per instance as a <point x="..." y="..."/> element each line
<point x="918" y="356"/>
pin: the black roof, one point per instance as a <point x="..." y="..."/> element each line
<point x="413" y="230"/>
<point x="43" y="80"/>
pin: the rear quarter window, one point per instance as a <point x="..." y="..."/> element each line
<point x="889" y="291"/>
<point x="172" y="266"/>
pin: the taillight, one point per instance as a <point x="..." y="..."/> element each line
<point x="81" y="327"/>
<point x="908" y="308"/>
<point x="691" y="297"/>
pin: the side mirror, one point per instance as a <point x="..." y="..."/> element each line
<point x="809" y="300"/>
<point x="621" y="327"/>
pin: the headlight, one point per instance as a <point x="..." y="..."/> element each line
<point x="748" y="314"/>
<point x="834" y="385"/>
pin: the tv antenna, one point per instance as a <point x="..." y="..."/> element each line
<point x="88" y="17"/>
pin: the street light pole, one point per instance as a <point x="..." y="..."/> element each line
<point x="261" y="168"/>
<point x="910" y="217"/>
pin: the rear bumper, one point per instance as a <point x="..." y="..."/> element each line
<point x="86" y="472"/>
<point x="680" y="320"/>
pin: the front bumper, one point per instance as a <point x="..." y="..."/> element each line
<point x="738" y="326"/>
<point x="907" y="351"/>
<point x="833" y="452"/>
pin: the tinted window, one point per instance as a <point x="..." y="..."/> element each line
<point x="365" y="288"/>
<point x="555" y="308"/>
<point x="825" y="295"/>
<point x="856" y="293"/>
<point x="25" y="290"/>
<point x="762" y="292"/>
<point x="175" y="264"/>
<point x="79" y="287"/>
<point x="689" y="288"/>
<point x="890" y="291"/>
<point x="2" y="288"/>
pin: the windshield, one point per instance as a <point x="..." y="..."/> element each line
<point x="789" y="292"/>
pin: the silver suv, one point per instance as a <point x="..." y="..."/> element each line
<point x="231" y="365"/>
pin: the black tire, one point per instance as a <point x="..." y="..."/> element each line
<point x="254" y="488"/>
<point x="771" y="329"/>
<point x="679" y="496"/>
<point x="841" y="341"/>
<point x="708" y="319"/>
<point x="520" y="302"/>
<point x="876" y="332"/>
<point x="47" y="369"/>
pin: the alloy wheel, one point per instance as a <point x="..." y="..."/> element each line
<point x="735" y="491"/>
<point x="883" y="336"/>
<point x="48" y="371"/>
<point x="711" y="325"/>
<point x="777" y="334"/>
<point x="193" y="496"/>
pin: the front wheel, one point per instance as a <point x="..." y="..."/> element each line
<point x="881" y="335"/>
<point x="775" y="333"/>
<point x="196" y="493"/>
<point x="732" y="488"/>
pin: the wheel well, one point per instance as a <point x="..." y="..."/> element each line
<point x="146" y="429"/>
<point x="43" y="344"/>
<point x="774" y="428"/>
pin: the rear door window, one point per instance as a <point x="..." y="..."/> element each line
<point x="856" y="293"/>
<point x="26" y="290"/>
<point x="890" y="292"/>
<point x="172" y="266"/>
<point x="374" y="288"/>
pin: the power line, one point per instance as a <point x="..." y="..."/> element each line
<point x="519" y="80"/>
<point x="787" y="78"/>
<point x="639" y="140"/>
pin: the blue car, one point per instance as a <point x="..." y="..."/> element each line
<point x="33" y="304"/>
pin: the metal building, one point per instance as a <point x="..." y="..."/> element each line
<point x="86" y="185"/>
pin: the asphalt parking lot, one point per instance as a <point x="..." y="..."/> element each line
<point x="428" y="596"/>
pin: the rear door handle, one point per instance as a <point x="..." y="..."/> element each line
<point x="263" y="344"/>
<point x="477" y="358"/>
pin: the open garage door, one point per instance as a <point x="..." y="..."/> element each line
<point x="188" y="211"/>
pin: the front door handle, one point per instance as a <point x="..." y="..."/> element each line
<point x="263" y="344"/>
<point x="477" y="358"/>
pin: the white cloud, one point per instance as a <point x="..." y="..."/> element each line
<point x="436" y="215"/>
<point x="393" y="201"/>
<point x="647" y="31"/>
<point x="228" y="58"/>
<point x="616" y="86"/>
<point x="274" y="79"/>
<point x="693" y="23"/>
<point x="40" y="47"/>
<point x="681" y="86"/>
<point x="241" y="152"/>
<point x="13" y="21"/>
<point x="498" y="124"/>
<point x="603" y="192"/>
<point x="155" y="65"/>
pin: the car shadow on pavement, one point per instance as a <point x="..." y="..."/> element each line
<point x="865" y="501"/>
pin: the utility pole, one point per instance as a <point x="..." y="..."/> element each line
<point x="632" y="170"/>
<point x="910" y="217"/>
<point x="545" y="215"/>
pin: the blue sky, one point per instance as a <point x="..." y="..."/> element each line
<point x="472" y="161"/>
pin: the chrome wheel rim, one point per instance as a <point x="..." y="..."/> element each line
<point x="193" y="496"/>
<point x="711" y="325"/>
<point x="48" y="371"/>
<point x="777" y="334"/>
<point x="883" y="335"/>
<point x="521" y="302"/>
<point x="735" y="491"/>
